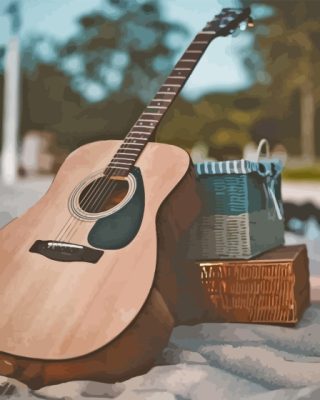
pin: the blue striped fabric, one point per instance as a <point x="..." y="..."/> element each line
<point x="263" y="168"/>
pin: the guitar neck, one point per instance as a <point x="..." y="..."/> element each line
<point x="144" y="128"/>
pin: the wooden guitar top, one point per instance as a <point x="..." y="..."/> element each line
<point x="60" y="310"/>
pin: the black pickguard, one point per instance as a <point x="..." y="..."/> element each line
<point x="119" y="229"/>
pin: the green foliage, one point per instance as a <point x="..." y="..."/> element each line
<point x="123" y="50"/>
<point x="214" y="120"/>
<point x="49" y="103"/>
<point x="287" y="43"/>
<point x="286" y="61"/>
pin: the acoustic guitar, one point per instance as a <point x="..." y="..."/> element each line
<point x="86" y="276"/>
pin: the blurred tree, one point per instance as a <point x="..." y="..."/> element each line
<point x="95" y="85"/>
<point x="49" y="103"/>
<point x="213" y="120"/>
<point x="288" y="42"/>
<point x="117" y="60"/>
<point x="39" y="49"/>
<point x="123" y="50"/>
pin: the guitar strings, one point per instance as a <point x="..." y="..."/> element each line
<point x="101" y="196"/>
<point x="87" y="196"/>
<point x="97" y="200"/>
<point x="111" y="186"/>
<point x="66" y="228"/>
<point x="95" y="186"/>
<point x="91" y="192"/>
<point x="103" y="184"/>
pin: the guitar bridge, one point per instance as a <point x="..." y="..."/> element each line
<point x="63" y="251"/>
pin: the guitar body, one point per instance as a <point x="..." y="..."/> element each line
<point x="108" y="317"/>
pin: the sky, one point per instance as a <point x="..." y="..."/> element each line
<point x="220" y="69"/>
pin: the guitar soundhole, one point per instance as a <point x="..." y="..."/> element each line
<point x="102" y="195"/>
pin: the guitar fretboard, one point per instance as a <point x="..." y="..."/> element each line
<point x="144" y="128"/>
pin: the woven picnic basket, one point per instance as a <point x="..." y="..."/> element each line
<point x="271" y="288"/>
<point x="242" y="212"/>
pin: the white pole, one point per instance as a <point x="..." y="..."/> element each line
<point x="9" y="158"/>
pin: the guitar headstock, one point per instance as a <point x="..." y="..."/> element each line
<point x="229" y="20"/>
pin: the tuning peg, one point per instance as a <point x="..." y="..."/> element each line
<point x="250" y="22"/>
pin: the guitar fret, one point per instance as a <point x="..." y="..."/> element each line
<point x="141" y="133"/>
<point x="188" y="60"/>
<point x="133" y="143"/>
<point x="151" y="113"/>
<point x="200" y="42"/>
<point x="182" y="69"/>
<point x="136" y="138"/>
<point x="207" y="33"/>
<point x="137" y="150"/>
<point x="124" y="158"/>
<point x="119" y="162"/>
<point x="144" y="127"/>
<point x="162" y="107"/>
<point x="194" y="51"/>
<point x="147" y="120"/>
<point x="128" y="154"/>
<point x="150" y="117"/>
<point x="126" y="169"/>
<point x="128" y="148"/>
<point x="140" y="125"/>
<point x="168" y="92"/>
<point x="170" y="84"/>
<point x="166" y="100"/>
<point x="177" y="77"/>
<point x="128" y="144"/>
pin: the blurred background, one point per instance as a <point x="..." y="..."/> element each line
<point x="73" y="72"/>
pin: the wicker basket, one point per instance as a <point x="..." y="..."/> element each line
<point x="242" y="213"/>
<point x="272" y="288"/>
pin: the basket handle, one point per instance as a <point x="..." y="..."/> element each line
<point x="263" y="142"/>
<point x="270" y="186"/>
